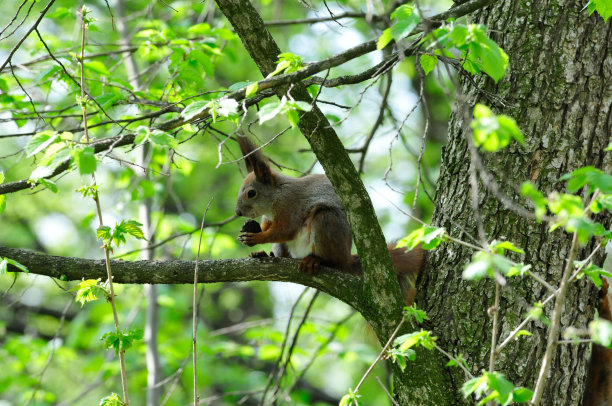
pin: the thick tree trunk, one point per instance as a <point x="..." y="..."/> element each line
<point x="559" y="90"/>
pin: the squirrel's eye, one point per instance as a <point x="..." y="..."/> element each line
<point x="251" y="193"/>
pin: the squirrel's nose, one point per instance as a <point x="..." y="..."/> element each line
<point x="238" y="212"/>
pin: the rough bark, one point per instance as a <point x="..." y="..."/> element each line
<point x="559" y="89"/>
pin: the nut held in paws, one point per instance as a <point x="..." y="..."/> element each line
<point x="251" y="226"/>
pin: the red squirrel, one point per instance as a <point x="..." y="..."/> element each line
<point x="304" y="219"/>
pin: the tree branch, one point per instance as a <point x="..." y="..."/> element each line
<point x="346" y="287"/>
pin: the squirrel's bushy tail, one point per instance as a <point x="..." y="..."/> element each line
<point x="598" y="390"/>
<point x="407" y="265"/>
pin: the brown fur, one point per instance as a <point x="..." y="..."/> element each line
<point x="598" y="391"/>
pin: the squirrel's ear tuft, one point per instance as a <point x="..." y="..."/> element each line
<point x="255" y="161"/>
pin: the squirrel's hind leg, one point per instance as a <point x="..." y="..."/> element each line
<point x="331" y="239"/>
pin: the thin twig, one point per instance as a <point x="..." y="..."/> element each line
<point x="26" y="35"/>
<point x="384" y="388"/>
<point x="450" y="357"/>
<point x="314" y="20"/>
<point x="195" y="309"/>
<point x="382" y="352"/>
<point x="495" y="311"/>
<point x="553" y="332"/>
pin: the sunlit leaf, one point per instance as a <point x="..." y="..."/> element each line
<point x="428" y="63"/>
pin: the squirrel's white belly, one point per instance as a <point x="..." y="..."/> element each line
<point x="303" y="243"/>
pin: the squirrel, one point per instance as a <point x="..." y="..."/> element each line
<point x="304" y="219"/>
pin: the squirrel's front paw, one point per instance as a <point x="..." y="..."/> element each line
<point x="249" y="239"/>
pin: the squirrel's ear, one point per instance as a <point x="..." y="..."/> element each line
<point x="255" y="161"/>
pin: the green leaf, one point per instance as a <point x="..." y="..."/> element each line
<point x="522" y="395"/>
<point x="522" y="333"/>
<point x="3" y="266"/>
<point x="407" y="20"/>
<point x="198" y="30"/>
<point x="287" y="63"/>
<point x="588" y="175"/>
<point x="428" y="63"/>
<point x="97" y="67"/>
<point x="478" y="52"/>
<point x="594" y="273"/>
<point x="350" y="399"/>
<point x="251" y="90"/>
<point x="604" y="201"/>
<point x="476" y="270"/>
<point x="483" y="50"/>
<point x="121" y="341"/>
<point x="294" y="117"/>
<point x="384" y="39"/>
<point x="458" y="360"/>
<point x="401" y="360"/>
<point x="1" y="176"/>
<point x="85" y="159"/>
<point x="103" y="232"/>
<point x="194" y="109"/>
<point x="493" y="132"/>
<point x="518" y="269"/>
<point x="477" y="384"/>
<point x="49" y="184"/>
<point x="112" y="400"/>
<point x="40" y="142"/>
<point x="2" y="203"/>
<point x="88" y="290"/>
<point x="163" y="139"/>
<point x="412" y="311"/>
<point x="131" y="227"/>
<point x="603" y="7"/>
<point x="421" y="338"/>
<point x="270" y="110"/>
<point x="601" y="332"/>
<point x="529" y="190"/>
<point x="106" y="100"/>
<point x="459" y="36"/>
<point x="16" y="264"/>
<point x="430" y="237"/>
<point x="501" y="246"/>
<point x="537" y="313"/>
